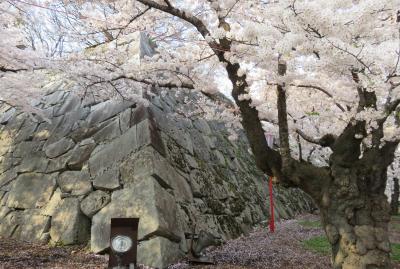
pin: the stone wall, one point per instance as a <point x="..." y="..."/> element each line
<point x="62" y="181"/>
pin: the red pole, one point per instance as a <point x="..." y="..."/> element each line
<point x="271" y="203"/>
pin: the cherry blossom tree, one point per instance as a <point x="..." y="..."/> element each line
<point x="323" y="76"/>
<point x="337" y="60"/>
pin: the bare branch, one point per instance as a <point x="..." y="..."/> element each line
<point x="145" y="81"/>
<point x="180" y="14"/>
<point x="16" y="70"/>
<point x="318" y="88"/>
<point x="132" y="20"/>
<point x="356" y="57"/>
<point x="5" y="69"/>
<point x="230" y="9"/>
<point x="116" y="89"/>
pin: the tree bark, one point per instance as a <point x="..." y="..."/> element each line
<point x="355" y="215"/>
<point x="394" y="204"/>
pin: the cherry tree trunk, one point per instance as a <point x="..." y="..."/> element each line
<point x="355" y="214"/>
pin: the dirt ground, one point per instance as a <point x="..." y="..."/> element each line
<point x="260" y="249"/>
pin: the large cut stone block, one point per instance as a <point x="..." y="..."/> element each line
<point x="58" y="148"/>
<point x="81" y="153"/>
<point x="4" y="118"/>
<point x="7" y="177"/>
<point x="202" y="125"/>
<point x="26" y="225"/>
<point x="59" y="163"/>
<point x="125" y="120"/>
<point x="171" y="127"/>
<point x="107" y="180"/>
<point x="26" y="131"/>
<point x="8" y="162"/>
<point x="120" y="148"/>
<point x="10" y="223"/>
<point x="146" y="200"/>
<point x="201" y="149"/>
<point x="4" y="211"/>
<point x="106" y="110"/>
<point x="52" y="205"/>
<point x="33" y="227"/>
<point x="24" y="148"/>
<point x="109" y="132"/>
<point x="75" y="182"/>
<point x="148" y="162"/>
<point x="141" y="113"/>
<point x="64" y="125"/>
<point x="158" y="252"/>
<point x="68" y="224"/>
<point x="5" y="142"/>
<point x="147" y="134"/>
<point x="32" y="190"/>
<point x="71" y="102"/>
<point x="94" y="202"/>
<point x="113" y="153"/>
<point x="3" y="201"/>
<point x="34" y="162"/>
<point x="54" y="98"/>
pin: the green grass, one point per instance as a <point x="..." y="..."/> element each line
<point x="318" y="244"/>
<point x="395" y="252"/>
<point x="396" y="217"/>
<point x="310" y="223"/>
<point x="321" y="245"/>
<point x="395" y="226"/>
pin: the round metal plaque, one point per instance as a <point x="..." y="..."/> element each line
<point x="121" y="243"/>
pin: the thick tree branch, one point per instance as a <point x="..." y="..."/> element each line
<point x="346" y="149"/>
<point x="180" y="14"/>
<point x="388" y="151"/>
<point x="282" y="117"/>
<point x="390" y="107"/>
<point x="310" y="178"/>
<point x="366" y="99"/>
<point x="325" y="141"/>
<point x="267" y="159"/>
<point x="298" y="173"/>
<point x="300" y="147"/>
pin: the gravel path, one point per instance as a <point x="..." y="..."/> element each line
<point x="261" y="249"/>
<point x="23" y="255"/>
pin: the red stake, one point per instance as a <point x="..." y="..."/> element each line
<point x="271" y="203"/>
